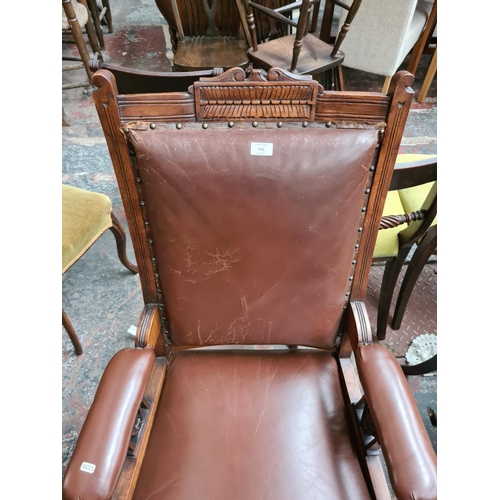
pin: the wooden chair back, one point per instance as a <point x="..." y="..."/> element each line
<point x="219" y="160"/>
<point x="202" y="18"/>
<point x="207" y="31"/>
<point x="134" y="81"/>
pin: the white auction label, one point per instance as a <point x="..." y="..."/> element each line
<point x="261" y="149"/>
<point x="86" y="467"/>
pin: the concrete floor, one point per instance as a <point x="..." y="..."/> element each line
<point x="103" y="299"/>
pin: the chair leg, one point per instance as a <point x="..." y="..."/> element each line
<point x="120" y="237"/>
<point x="429" y="76"/>
<point x="421" y="43"/>
<point x="91" y="32"/>
<point x="72" y="334"/>
<point x="389" y="280"/>
<point x="425" y="367"/>
<point x="387" y="82"/>
<point x="338" y="78"/>
<point x="424" y="250"/>
<point x="77" y="36"/>
<point x="94" y="12"/>
<point x="107" y="15"/>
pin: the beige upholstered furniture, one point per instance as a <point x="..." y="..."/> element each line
<point x="85" y="217"/>
<point x="383" y="33"/>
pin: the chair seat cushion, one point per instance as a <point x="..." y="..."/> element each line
<point x="245" y="424"/>
<point x="203" y="52"/>
<point x="314" y="58"/>
<point x="85" y="216"/>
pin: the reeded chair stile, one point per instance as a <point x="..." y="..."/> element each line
<point x="253" y="203"/>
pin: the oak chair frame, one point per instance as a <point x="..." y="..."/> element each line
<point x="212" y="102"/>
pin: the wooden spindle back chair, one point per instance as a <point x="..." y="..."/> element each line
<point x="205" y="34"/>
<point x="301" y="52"/>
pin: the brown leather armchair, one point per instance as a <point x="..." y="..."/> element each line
<point x="253" y="206"/>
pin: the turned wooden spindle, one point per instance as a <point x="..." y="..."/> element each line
<point x="389" y="221"/>
<point x="352" y="11"/>
<point x="301" y="29"/>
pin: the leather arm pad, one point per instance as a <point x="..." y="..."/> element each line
<point x="411" y="460"/>
<point x="102" y="445"/>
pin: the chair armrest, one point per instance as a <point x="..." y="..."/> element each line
<point x="414" y="173"/>
<point x="272" y="13"/>
<point x="411" y="460"/>
<point x="102" y="446"/>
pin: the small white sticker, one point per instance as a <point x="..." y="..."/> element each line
<point x="261" y="149"/>
<point x="86" y="467"/>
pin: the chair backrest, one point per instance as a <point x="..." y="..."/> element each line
<point x="383" y="33"/>
<point x="280" y="22"/>
<point x="202" y="18"/>
<point x="301" y="25"/>
<point x="412" y="175"/>
<point x="253" y="204"/>
<point x="134" y="81"/>
<point x="349" y="13"/>
<point x="268" y="27"/>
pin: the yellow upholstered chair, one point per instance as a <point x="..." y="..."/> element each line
<point x="409" y="218"/>
<point x="86" y="215"/>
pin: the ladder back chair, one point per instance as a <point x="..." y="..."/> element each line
<point x="206" y="34"/>
<point x="253" y="203"/>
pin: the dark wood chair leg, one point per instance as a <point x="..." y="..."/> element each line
<point x="389" y="280"/>
<point x="120" y="237"/>
<point x="72" y="334"/>
<point x="77" y="36"/>
<point x="94" y="12"/>
<point x="424" y="250"/>
<point x="425" y="367"/>
<point x="338" y="79"/>
<point x="107" y="15"/>
<point x="90" y="30"/>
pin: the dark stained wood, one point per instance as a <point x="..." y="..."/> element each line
<point x="406" y="176"/>
<point x="134" y="81"/>
<point x="426" y="247"/>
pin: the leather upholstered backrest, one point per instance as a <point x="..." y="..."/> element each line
<point x="253" y="230"/>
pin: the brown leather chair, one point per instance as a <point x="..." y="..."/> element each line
<point x="253" y="206"/>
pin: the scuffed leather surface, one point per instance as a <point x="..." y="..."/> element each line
<point x="106" y="432"/>
<point x="410" y="458"/>
<point x="250" y="249"/>
<point x="251" y="426"/>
